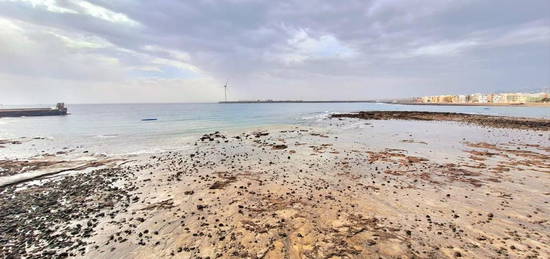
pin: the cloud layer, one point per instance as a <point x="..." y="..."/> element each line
<point x="82" y="51"/>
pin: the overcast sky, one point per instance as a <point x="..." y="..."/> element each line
<point x="80" y="51"/>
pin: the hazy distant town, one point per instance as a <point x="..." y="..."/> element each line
<point x="500" y="98"/>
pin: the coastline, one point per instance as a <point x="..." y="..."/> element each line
<point x="345" y="187"/>
<point x="477" y="104"/>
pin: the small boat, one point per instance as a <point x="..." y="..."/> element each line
<point x="150" y="119"/>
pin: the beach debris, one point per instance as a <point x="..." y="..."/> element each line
<point x="279" y="146"/>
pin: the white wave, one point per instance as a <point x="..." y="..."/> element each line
<point x="317" y="116"/>
<point x="107" y="136"/>
<point x="154" y="150"/>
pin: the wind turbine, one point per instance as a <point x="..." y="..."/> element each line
<point x="225" y="88"/>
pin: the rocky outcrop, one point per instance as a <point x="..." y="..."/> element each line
<point x="478" y="119"/>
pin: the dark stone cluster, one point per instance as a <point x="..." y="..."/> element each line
<point x="55" y="218"/>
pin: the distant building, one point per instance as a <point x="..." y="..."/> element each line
<point x="483" y="99"/>
<point x="446" y="99"/>
<point x="501" y="98"/>
<point x="536" y="97"/>
<point x="474" y="98"/>
<point x="515" y="98"/>
<point x="497" y="98"/>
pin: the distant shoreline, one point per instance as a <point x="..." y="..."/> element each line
<point x="477" y="104"/>
<point x="403" y="103"/>
<point x="298" y="101"/>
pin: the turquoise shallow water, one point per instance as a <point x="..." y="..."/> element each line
<point x="119" y="127"/>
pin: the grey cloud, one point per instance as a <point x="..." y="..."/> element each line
<point x="284" y="49"/>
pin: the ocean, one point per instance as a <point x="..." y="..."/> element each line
<point x="121" y="129"/>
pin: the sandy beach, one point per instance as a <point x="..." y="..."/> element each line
<point x="348" y="187"/>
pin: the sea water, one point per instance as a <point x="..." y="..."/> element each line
<point x="120" y="128"/>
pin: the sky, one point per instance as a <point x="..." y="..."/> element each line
<point x="128" y="51"/>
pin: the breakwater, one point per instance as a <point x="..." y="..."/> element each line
<point x="59" y="109"/>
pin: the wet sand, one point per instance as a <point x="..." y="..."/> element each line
<point x="348" y="188"/>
